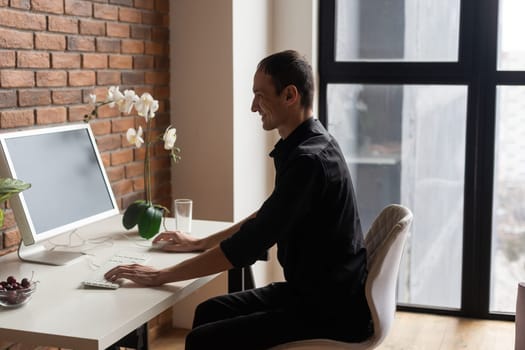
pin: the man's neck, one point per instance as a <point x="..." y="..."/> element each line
<point x="287" y="129"/>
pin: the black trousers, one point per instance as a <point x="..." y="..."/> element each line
<point x="264" y="317"/>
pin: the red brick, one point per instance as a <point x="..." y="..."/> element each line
<point x="90" y="27"/>
<point x="108" y="112"/>
<point x="162" y="5"/>
<point x="162" y="62"/>
<point x="130" y="15"/>
<point x="107" y="12"/>
<point x="52" y="6"/>
<point x="68" y="96"/>
<point x="138" y="184"/>
<point x="153" y="48"/>
<point x="79" y="43"/>
<point x="135" y="169"/>
<point x="157" y="78"/>
<point x="91" y="60"/>
<point x="122" y="2"/>
<point x="152" y="18"/>
<point x="11" y="238"/>
<point x="122" y="187"/>
<point x="143" y="62"/>
<point x="78" y="8"/>
<point x="65" y="60"/>
<point x="106" y="159"/>
<point x="160" y="34"/>
<point x="118" y="62"/>
<point x="51" y="115"/>
<point x="101" y="127"/>
<point x="81" y="78"/>
<point x="7" y="59"/>
<point x="9" y="219"/>
<point x="16" y="118"/>
<point x="121" y="156"/>
<point x="51" y="78"/>
<point x="121" y="125"/>
<point x="33" y="59"/>
<point x="118" y="30"/>
<point x="16" y="78"/>
<point x="106" y="77"/>
<point x="22" y="20"/>
<point x="77" y="113"/>
<point x="101" y="93"/>
<point x="144" y="4"/>
<point x="115" y="173"/>
<point x="44" y="41"/>
<point x="34" y="97"/>
<point x="62" y="24"/>
<point x="132" y="46"/>
<point x="140" y="32"/>
<point x="7" y="98"/>
<point x="108" y="45"/>
<point x="108" y="142"/>
<point x="4" y="3"/>
<point x="133" y="78"/>
<point x="21" y="4"/>
<point x="15" y="39"/>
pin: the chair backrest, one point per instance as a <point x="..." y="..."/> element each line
<point x="385" y="242"/>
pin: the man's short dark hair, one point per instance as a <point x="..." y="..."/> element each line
<point x="290" y="68"/>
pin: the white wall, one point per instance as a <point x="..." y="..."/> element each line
<point x="201" y="104"/>
<point x="215" y="46"/>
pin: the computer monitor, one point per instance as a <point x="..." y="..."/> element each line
<point x="69" y="186"/>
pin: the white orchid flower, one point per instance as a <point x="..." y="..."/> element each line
<point x="92" y="99"/>
<point x="169" y="137"/>
<point x="114" y="96"/>
<point x="125" y="105"/>
<point x="135" y="136"/>
<point x="146" y="106"/>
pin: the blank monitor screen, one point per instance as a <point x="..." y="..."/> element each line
<point x="69" y="187"/>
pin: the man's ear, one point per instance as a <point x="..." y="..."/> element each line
<point x="291" y="95"/>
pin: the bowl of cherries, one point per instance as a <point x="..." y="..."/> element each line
<point x="15" y="293"/>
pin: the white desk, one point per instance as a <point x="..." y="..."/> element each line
<point x="64" y="314"/>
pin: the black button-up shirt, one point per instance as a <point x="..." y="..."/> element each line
<point x="312" y="217"/>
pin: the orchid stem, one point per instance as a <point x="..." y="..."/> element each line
<point x="147" y="168"/>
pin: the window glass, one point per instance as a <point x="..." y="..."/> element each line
<point x="511" y="26"/>
<point x="406" y="144"/>
<point x="396" y="30"/>
<point x="508" y="240"/>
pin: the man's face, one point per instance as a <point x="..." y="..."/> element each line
<point x="266" y="102"/>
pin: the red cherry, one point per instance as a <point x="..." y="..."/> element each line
<point x="11" y="280"/>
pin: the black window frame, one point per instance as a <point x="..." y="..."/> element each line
<point x="477" y="69"/>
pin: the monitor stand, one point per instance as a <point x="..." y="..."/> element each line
<point x="37" y="253"/>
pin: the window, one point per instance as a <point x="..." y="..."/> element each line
<point x="425" y="99"/>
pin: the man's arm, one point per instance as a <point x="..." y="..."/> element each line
<point x="180" y="242"/>
<point x="207" y="263"/>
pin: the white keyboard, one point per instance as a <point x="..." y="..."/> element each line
<point x="96" y="279"/>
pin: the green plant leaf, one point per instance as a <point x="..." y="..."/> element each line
<point x="10" y="187"/>
<point x="1" y="217"/>
<point x="149" y="221"/>
<point x="133" y="213"/>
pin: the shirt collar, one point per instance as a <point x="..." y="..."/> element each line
<point x="285" y="146"/>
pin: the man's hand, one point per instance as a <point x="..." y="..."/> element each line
<point x="177" y="241"/>
<point x="140" y="274"/>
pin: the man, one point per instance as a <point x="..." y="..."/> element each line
<point x="312" y="217"/>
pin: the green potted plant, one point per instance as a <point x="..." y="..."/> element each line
<point x="142" y="213"/>
<point x="8" y="188"/>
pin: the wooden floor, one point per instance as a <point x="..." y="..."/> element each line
<point x="412" y="331"/>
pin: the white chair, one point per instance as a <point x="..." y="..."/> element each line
<point x="384" y="242"/>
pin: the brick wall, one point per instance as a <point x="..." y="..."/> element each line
<point x="54" y="53"/>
